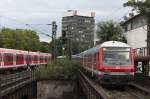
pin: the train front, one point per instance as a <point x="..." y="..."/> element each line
<point x="117" y="63"/>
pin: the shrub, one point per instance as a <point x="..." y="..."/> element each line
<point x="62" y="69"/>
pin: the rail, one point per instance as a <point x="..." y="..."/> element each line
<point x="90" y="90"/>
<point x="9" y="83"/>
<point x="93" y="90"/>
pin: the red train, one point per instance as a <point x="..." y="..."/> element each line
<point x="11" y="58"/>
<point x="111" y="62"/>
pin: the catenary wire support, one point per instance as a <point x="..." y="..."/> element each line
<point x="53" y="36"/>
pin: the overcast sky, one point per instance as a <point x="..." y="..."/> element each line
<point x="16" y="13"/>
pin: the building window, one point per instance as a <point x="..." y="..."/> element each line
<point x="80" y="32"/>
<point x="72" y="28"/>
<point x="87" y="21"/>
<point x="129" y="26"/>
<point x="135" y="23"/>
<point x="139" y="22"/>
<point x="83" y="36"/>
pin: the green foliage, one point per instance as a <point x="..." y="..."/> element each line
<point x="21" y="39"/>
<point x="45" y="47"/>
<point x="109" y="30"/>
<point x="62" y="69"/>
<point x="141" y="6"/>
<point x="77" y="47"/>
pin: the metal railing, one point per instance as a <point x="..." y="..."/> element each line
<point x="90" y="90"/>
<point x="140" y="51"/>
<point x="11" y="82"/>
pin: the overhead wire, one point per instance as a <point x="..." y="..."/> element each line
<point x="41" y="32"/>
<point x="27" y="25"/>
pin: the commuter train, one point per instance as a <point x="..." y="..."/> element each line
<point x="112" y="62"/>
<point x="11" y="58"/>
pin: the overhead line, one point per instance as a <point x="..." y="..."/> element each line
<point x="41" y="32"/>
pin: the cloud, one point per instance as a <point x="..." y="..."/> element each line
<point x="45" y="11"/>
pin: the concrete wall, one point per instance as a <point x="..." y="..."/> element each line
<point x="137" y="37"/>
<point x="51" y="89"/>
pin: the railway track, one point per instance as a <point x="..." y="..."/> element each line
<point x="129" y="92"/>
<point x="12" y="82"/>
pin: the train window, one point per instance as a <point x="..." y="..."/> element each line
<point x="19" y="57"/>
<point x="28" y="58"/>
<point x="8" y="57"/>
<point x="119" y="56"/>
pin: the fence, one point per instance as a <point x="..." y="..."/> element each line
<point x="140" y="51"/>
<point x="11" y="82"/>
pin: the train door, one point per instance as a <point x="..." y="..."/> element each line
<point x="92" y="64"/>
<point x="100" y="58"/>
<point x="28" y="59"/>
<point x="41" y="59"/>
<point x="97" y="60"/>
<point x="14" y="57"/>
<point x="0" y="60"/>
<point x="25" y="59"/>
<point x="45" y="59"/>
<point x="35" y="59"/>
<point x="38" y="59"/>
<point x="19" y="59"/>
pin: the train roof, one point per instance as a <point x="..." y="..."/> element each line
<point x="105" y="44"/>
<point x="5" y="50"/>
<point x="114" y="44"/>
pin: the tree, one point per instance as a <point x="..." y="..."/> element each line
<point x="143" y="8"/>
<point x="61" y="43"/>
<point x="20" y="39"/>
<point x="108" y="31"/>
<point x="45" y="47"/>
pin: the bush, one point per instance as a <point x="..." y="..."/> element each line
<point x="62" y="69"/>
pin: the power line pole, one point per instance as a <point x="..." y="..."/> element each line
<point x="54" y="48"/>
<point x="54" y="30"/>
